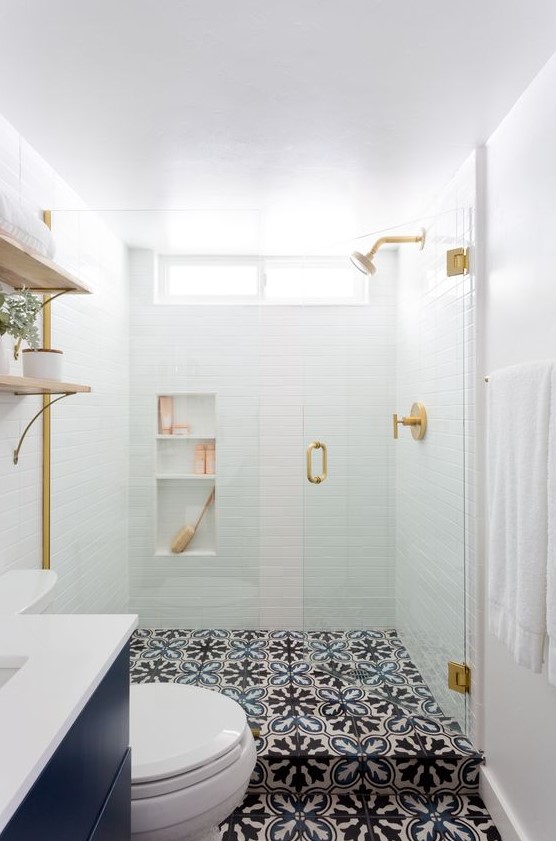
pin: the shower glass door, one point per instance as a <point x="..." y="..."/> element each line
<point x="349" y="387"/>
<point x="385" y="529"/>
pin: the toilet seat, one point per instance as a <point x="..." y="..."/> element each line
<point x="183" y="813"/>
<point x="181" y="735"/>
<point x="192" y="757"/>
<point x="167" y="785"/>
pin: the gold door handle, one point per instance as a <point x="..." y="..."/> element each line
<point x="317" y="445"/>
<point x="417" y="420"/>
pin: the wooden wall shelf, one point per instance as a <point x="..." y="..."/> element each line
<point x="19" y="268"/>
<point x="29" y="385"/>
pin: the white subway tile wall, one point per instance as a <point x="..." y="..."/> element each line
<point x="435" y="516"/>
<point x="90" y="432"/>
<point x="283" y="376"/>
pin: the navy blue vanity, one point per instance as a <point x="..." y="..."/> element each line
<point x="84" y="792"/>
<point x="65" y="762"/>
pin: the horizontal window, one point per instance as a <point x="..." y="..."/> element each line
<point x="316" y="282"/>
<point x="206" y="280"/>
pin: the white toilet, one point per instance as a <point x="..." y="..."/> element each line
<point x="192" y="755"/>
<point x="192" y="751"/>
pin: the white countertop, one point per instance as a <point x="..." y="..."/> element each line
<point x="67" y="657"/>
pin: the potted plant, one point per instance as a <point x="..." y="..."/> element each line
<point x="18" y="314"/>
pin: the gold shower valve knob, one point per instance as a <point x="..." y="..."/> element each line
<point x="417" y="420"/>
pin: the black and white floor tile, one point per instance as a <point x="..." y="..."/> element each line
<point x="374" y="662"/>
<point x="318" y="816"/>
<point x="352" y="743"/>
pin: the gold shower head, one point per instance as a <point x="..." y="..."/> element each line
<point x="364" y="262"/>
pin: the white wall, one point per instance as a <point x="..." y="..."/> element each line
<point x="520" y="325"/>
<point x="435" y="352"/>
<point x="283" y="376"/>
<point x="89" y="432"/>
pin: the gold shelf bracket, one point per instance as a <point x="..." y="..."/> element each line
<point x="32" y="421"/>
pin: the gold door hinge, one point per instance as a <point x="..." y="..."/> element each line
<point x="457" y="261"/>
<point x="459" y="677"/>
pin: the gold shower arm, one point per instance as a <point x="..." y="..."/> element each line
<point x="364" y="262"/>
<point x="384" y="240"/>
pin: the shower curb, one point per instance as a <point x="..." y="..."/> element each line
<point x="386" y="774"/>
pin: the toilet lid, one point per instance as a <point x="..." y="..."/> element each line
<point x="176" y="728"/>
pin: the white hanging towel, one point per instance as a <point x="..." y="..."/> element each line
<point x="517" y="441"/>
<point x="551" y="560"/>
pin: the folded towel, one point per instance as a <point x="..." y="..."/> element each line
<point x="22" y="225"/>
<point x="551" y="561"/>
<point x="517" y="430"/>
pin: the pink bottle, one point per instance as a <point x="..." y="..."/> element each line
<point x="199" y="460"/>
<point x="210" y="462"/>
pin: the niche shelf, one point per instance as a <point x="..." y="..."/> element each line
<point x="191" y="553"/>
<point x="180" y="492"/>
<point x="195" y="476"/>
<point x="187" y="437"/>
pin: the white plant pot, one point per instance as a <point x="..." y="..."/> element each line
<point x="42" y="364"/>
<point x="6" y="348"/>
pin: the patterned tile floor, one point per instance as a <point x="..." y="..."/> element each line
<point x="284" y="816"/>
<point x="369" y="756"/>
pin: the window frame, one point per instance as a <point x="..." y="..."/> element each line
<point x="166" y="261"/>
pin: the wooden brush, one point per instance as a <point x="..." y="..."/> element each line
<point x="187" y="533"/>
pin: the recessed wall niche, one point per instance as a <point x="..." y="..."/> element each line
<point x="185" y="470"/>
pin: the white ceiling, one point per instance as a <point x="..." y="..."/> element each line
<point x="317" y="119"/>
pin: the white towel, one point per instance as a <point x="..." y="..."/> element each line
<point x="517" y="427"/>
<point x="551" y="560"/>
<point x="20" y="223"/>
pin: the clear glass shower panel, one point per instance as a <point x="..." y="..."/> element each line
<point x="385" y="531"/>
<point x="349" y="515"/>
